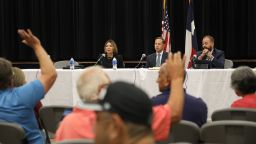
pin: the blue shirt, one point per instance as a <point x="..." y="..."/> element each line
<point x="195" y="109"/>
<point x="17" y="105"/>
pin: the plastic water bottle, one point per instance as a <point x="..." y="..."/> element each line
<point x="114" y="63"/>
<point x="72" y="64"/>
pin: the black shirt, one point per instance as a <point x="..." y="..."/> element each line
<point x="107" y="62"/>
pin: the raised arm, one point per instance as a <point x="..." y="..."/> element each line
<point x="175" y="68"/>
<point x="48" y="72"/>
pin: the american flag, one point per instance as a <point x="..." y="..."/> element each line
<point x="191" y="41"/>
<point x="166" y="28"/>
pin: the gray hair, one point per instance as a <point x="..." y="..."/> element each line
<point x="18" y="77"/>
<point x="90" y="82"/>
<point x="5" y="73"/>
<point x="243" y="79"/>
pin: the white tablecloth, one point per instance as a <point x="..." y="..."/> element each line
<point x="213" y="85"/>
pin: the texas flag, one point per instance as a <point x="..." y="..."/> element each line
<point x="191" y="41"/>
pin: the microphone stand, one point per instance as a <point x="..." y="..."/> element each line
<point x="99" y="59"/>
<point x="142" y="57"/>
<point x="138" y="64"/>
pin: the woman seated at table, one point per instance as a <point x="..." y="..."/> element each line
<point x="110" y="50"/>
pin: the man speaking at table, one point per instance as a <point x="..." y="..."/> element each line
<point x="209" y="55"/>
<point x="159" y="57"/>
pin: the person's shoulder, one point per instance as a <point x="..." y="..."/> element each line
<point x="194" y="99"/>
<point x="76" y="114"/>
<point x="32" y="85"/>
<point x="240" y="103"/>
<point x="151" y="55"/>
<point x="218" y="50"/>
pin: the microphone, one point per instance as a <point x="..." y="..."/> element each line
<point x="141" y="58"/>
<point x="102" y="55"/>
<point x="194" y="58"/>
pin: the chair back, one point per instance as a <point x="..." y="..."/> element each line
<point x="183" y="132"/>
<point x="229" y="132"/>
<point x="247" y="114"/>
<point x="78" y="141"/>
<point x="63" y="63"/>
<point x="228" y="64"/>
<point x="11" y="133"/>
<point x="50" y="116"/>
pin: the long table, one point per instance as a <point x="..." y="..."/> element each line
<point x="213" y="85"/>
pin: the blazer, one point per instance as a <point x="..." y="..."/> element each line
<point x="218" y="60"/>
<point x="151" y="59"/>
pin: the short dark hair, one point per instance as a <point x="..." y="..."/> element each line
<point x="161" y="38"/>
<point x="210" y="37"/>
<point x="243" y="79"/>
<point x="5" y="73"/>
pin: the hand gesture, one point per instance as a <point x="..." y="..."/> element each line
<point x="175" y="66"/>
<point x="28" y="38"/>
<point x="209" y="55"/>
<point x="205" y="52"/>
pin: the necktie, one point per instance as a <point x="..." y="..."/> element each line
<point x="158" y="61"/>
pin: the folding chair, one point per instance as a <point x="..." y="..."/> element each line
<point x="247" y="114"/>
<point x="50" y="117"/>
<point x="78" y="141"/>
<point x="229" y="132"/>
<point x="228" y="64"/>
<point x="11" y="133"/>
<point x="183" y="132"/>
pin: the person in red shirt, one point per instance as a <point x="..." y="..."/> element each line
<point x="79" y="124"/>
<point x="243" y="81"/>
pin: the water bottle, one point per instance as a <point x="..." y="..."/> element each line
<point x="114" y="63"/>
<point x="72" y="64"/>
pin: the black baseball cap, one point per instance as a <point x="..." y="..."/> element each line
<point x="130" y="102"/>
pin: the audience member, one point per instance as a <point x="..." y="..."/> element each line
<point x="162" y="115"/>
<point x="213" y="57"/>
<point x="19" y="80"/>
<point x="80" y="123"/>
<point x="159" y="57"/>
<point x="243" y="81"/>
<point x="195" y="109"/>
<point x="110" y="52"/>
<point x="125" y="117"/>
<point x="16" y="104"/>
<point x="128" y="119"/>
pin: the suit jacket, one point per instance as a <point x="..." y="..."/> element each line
<point x="218" y="60"/>
<point x="107" y="63"/>
<point x="151" y="59"/>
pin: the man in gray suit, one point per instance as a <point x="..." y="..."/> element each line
<point x="158" y="58"/>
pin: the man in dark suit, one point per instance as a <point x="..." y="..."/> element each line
<point x="159" y="57"/>
<point x="213" y="57"/>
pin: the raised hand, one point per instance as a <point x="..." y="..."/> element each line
<point x="175" y="66"/>
<point x="28" y="38"/>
